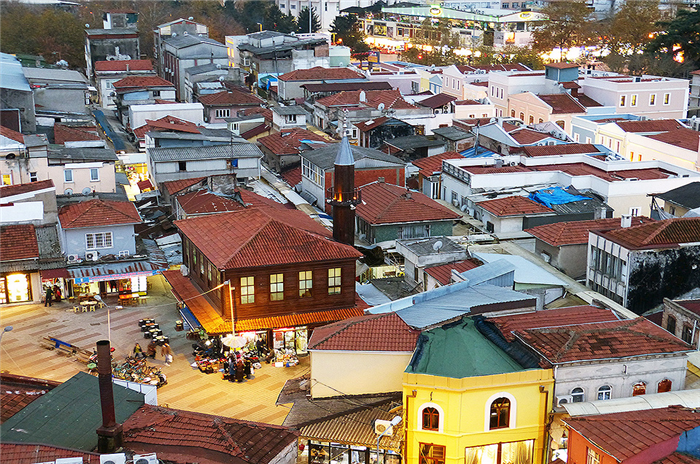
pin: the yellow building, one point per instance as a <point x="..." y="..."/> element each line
<point x="468" y="402"/>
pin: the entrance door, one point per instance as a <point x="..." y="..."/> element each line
<point x="17" y="287"/>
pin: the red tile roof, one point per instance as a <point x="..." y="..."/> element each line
<point x="63" y="133"/>
<point x="185" y="436"/>
<point x="375" y="332"/>
<point x="266" y="112"/>
<point x="443" y="272"/>
<point x="688" y="139"/>
<point x="288" y="142"/>
<point x="232" y="97"/>
<point x="433" y="164"/>
<point x="691" y="305"/>
<point x="526" y="136"/>
<point x="17" y="391"/>
<point x="30" y="453"/>
<point x="650" y="125"/>
<point x="364" y="126"/>
<point x="257" y="130"/>
<point x="577" y="169"/>
<point x="660" y="234"/>
<point x="18" y="189"/>
<point x="602" y="340"/>
<point x="508" y="127"/>
<point x="576" y="232"/>
<point x="262" y="237"/>
<point x="437" y="101"/>
<point x="18" y="242"/>
<point x="373" y="98"/>
<point x="572" y="315"/>
<point x="562" y="103"/>
<point x="11" y="134"/>
<point x="141" y="82"/>
<point x="493" y="67"/>
<point x="561" y="149"/>
<point x="96" y="213"/>
<point x="123" y="65"/>
<point x="166" y="123"/>
<point x="384" y="203"/>
<point x="468" y="102"/>
<point x="175" y="186"/>
<point x="292" y="176"/>
<point x="625" y="435"/>
<point x="513" y="206"/>
<point x="587" y="101"/>
<point x="678" y="458"/>
<point x="205" y="202"/>
<point x="321" y="74"/>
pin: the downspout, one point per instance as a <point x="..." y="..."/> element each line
<point x="404" y="451"/>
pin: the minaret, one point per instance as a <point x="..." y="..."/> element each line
<point x="345" y="196"/>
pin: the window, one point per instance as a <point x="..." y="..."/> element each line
<point x="493" y="90"/>
<point x="282" y="6"/>
<point x="532" y="119"/>
<point x="94" y="174"/>
<point x="605" y="392"/>
<point x="652" y="99"/>
<point x="222" y="113"/>
<point x="588" y="140"/>
<point x="431" y="419"/>
<point x="98" y="240"/>
<point x="687" y="335"/>
<point x="506" y="5"/>
<point x="634" y="212"/>
<point x="247" y="290"/>
<point x="671" y="324"/>
<point x="7" y="179"/>
<point x="291" y="118"/>
<point x="512" y="113"/>
<point x="515" y="5"/>
<point x="500" y="413"/>
<point x="333" y="280"/>
<point x="209" y="272"/>
<point x="618" y="146"/>
<point x="522" y="116"/>
<point x="521" y="452"/>
<point x="33" y="177"/>
<point x="68" y="175"/>
<point x="182" y="165"/>
<point x="431" y="454"/>
<point x="561" y="123"/>
<point x="577" y="138"/>
<point x="633" y="100"/>
<point x="276" y="287"/>
<point x="592" y="457"/>
<point x="293" y="7"/>
<point x="639" y="388"/>
<point x="540" y="121"/>
<point x="305" y="284"/>
<point x="667" y="99"/>
<point x="578" y="395"/>
<point x="623" y="100"/>
<point x="664" y="386"/>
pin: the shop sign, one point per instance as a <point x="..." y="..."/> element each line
<point x="435" y="10"/>
<point x="373" y="57"/>
<point x="128" y="275"/>
<point x="525" y="15"/>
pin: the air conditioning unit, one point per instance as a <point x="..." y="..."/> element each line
<point x="92" y="256"/>
<point x="383" y="427"/>
<point x="73" y="258"/>
<point x="69" y="460"/>
<point x="145" y="458"/>
<point x="564" y="399"/>
<point x="117" y="458"/>
<point x="124" y="253"/>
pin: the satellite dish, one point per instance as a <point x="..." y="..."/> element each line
<point x="437" y="245"/>
<point x="68" y="192"/>
<point x="87" y="191"/>
<point x="341" y="64"/>
<point x="380" y="107"/>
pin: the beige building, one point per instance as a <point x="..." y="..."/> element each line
<point x="536" y="109"/>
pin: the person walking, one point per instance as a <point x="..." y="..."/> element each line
<point x="49" y="296"/>
<point x="151" y="350"/>
<point x="167" y="352"/>
<point x="138" y="352"/>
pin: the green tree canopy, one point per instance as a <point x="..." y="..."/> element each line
<point x="567" y="26"/>
<point x="348" y="32"/>
<point x="434" y="44"/>
<point x="303" y="21"/>
<point x="678" y="43"/>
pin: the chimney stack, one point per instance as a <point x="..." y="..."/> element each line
<point x="626" y="221"/>
<point x="344" y="196"/>
<point x="109" y="436"/>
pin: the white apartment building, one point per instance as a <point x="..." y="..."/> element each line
<point x="502" y="85"/>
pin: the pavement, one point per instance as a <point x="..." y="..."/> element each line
<point x="187" y="387"/>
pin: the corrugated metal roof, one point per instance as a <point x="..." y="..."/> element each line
<point x="236" y="150"/>
<point x="113" y="270"/>
<point x="498" y="272"/>
<point x="11" y="75"/>
<point x="526" y="272"/>
<point x="355" y="429"/>
<point x="686" y="398"/>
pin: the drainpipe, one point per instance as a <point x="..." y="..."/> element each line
<point x="405" y="427"/>
<point x="109" y="435"/>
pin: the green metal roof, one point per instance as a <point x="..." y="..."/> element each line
<point x="69" y="415"/>
<point x="458" y="350"/>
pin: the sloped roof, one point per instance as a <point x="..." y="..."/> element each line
<point x="205" y="202"/>
<point x="493" y="67"/>
<point x="123" y="65"/>
<point x="324" y="157"/>
<point x="30" y="453"/>
<point x="562" y="103"/>
<point x="191" y="436"/>
<point x="602" y="340"/>
<point x="206" y="152"/>
<point x="373" y="98"/>
<point x="561" y="65"/>
<point x="587" y="101"/>
<point x="63" y="133"/>
<point x="526" y="136"/>
<point x="320" y="73"/>
<point x="576" y="232"/>
<point x="166" y="123"/>
<point x="687" y="195"/>
<point x="667" y="233"/>
<point x="232" y="97"/>
<point x="18" y="189"/>
<point x="437" y="101"/>
<point x="290" y="142"/>
<point x="624" y="435"/>
<point x="140" y="82"/>
<point x="513" y="206"/>
<point x="688" y="139"/>
<point x="96" y="213"/>
<point x="364" y="126"/>
<point x="175" y="186"/>
<point x="561" y="149"/>
<point x="11" y="134"/>
<point x="650" y="125"/>
<point x="375" y="332"/>
<point x="262" y="237"/>
<point x="292" y="176"/>
<point x="443" y="272"/>
<point x="18" y="391"/>
<point x="18" y="241"/>
<point x="384" y="203"/>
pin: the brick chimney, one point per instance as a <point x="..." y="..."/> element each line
<point x="109" y="435"/>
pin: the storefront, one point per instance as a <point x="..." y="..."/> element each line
<point x="57" y="279"/>
<point x="295" y="339"/>
<point x="16" y="288"/>
<point x="117" y="279"/>
<point x="317" y="452"/>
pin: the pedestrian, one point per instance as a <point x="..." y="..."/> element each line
<point x="49" y="296"/>
<point x="167" y="352"/>
<point x="57" y="293"/>
<point x="151" y="350"/>
<point x="138" y="352"/>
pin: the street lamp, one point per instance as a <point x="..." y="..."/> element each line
<point x="5" y="329"/>
<point x="395" y="421"/>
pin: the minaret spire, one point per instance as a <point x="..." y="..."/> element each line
<point x="344" y="195"/>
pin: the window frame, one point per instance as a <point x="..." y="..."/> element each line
<point x="277" y="286"/>
<point x="623" y="101"/>
<point x="591" y="456"/>
<point x="105" y="238"/>
<point x="633" y="100"/>
<point x="335" y="276"/>
<point x="664" y="380"/>
<point x="68" y="177"/>
<point x="306" y="289"/>
<point x="433" y="416"/>
<point x="578" y="396"/>
<point x="501" y="407"/>
<point x="605" y="391"/>
<point x="668" y="324"/>
<point x="639" y="388"/>
<point x="247" y="289"/>
<point x="667" y="99"/>
<point x="429" y="458"/>
<point x="96" y="177"/>
<point x="652" y="99"/>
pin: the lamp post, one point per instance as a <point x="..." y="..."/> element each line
<point x="395" y="421"/>
<point x="5" y="329"/>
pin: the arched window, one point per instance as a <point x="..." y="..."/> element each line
<point x="522" y="116"/>
<point x="561" y="124"/>
<point x="512" y="113"/>
<point x="639" y="388"/>
<point x="664" y="386"/>
<point x="431" y="419"/>
<point x="578" y="395"/>
<point x="605" y="392"/>
<point x="500" y="413"/>
<point x="532" y="119"/>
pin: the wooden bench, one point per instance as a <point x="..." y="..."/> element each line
<point x="52" y="343"/>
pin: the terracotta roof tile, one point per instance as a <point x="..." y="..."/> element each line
<point x="205" y="202"/>
<point x="577" y="169"/>
<point x="18" y="189"/>
<point x="433" y="164"/>
<point x="321" y="74"/>
<point x="175" y="186"/>
<point x="232" y="97"/>
<point x="289" y="142"/>
<point x="587" y="101"/>
<point x="443" y="272"/>
<point x="18" y="242"/>
<point x="257" y="130"/>
<point x="166" y="123"/>
<point x="96" y="213"/>
<point x="292" y="176"/>
<point x="30" y="453"/>
<point x="576" y="232"/>
<point x="624" y="435"/>
<point x="678" y="458"/>
<point x="437" y="101"/>
<point x="18" y="391"/>
<point x="364" y="126"/>
<point x="660" y="234"/>
<point x="262" y="237"/>
<point x="186" y="436"/>
<point x="373" y="98"/>
<point x="508" y="127"/>
<point x="650" y="125"/>
<point x="63" y="133"/>
<point x="384" y="203"/>
<point x="11" y="134"/>
<point x="526" y="136"/>
<point x="683" y="138"/>
<point x="513" y="206"/>
<point x="562" y="65"/>
<point x="266" y="112"/>
<point x="572" y="315"/>
<point x="141" y="82"/>
<point x="123" y="65"/>
<point x="602" y="340"/>
<point x="691" y="305"/>
<point x="562" y="103"/>
<point x="376" y="332"/>
<point x="467" y="102"/>
<point x="561" y="149"/>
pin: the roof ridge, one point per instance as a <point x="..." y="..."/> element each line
<point x="235" y="449"/>
<point x="352" y="324"/>
<point x="252" y="236"/>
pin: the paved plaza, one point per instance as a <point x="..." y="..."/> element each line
<point x="187" y="388"/>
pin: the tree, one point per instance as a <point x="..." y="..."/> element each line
<point x="303" y="21"/>
<point x="678" y="42"/>
<point x="348" y="31"/>
<point x="434" y="43"/>
<point x="567" y="26"/>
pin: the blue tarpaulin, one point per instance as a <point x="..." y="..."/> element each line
<point x="555" y="196"/>
<point x="481" y="152"/>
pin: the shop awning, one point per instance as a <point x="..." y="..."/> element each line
<point x="189" y="318"/>
<point x="112" y="271"/>
<point x="55" y="273"/>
